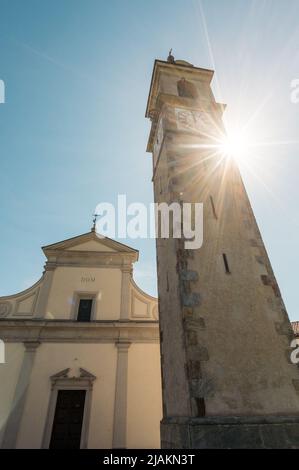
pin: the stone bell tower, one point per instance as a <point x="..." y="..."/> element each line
<point x="228" y="381"/>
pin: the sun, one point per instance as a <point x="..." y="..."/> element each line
<point x="235" y="144"/>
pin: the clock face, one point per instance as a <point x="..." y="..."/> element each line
<point x="195" y="121"/>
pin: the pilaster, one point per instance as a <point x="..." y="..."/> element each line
<point x="126" y="272"/>
<point x="120" y="404"/>
<point x="19" y="400"/>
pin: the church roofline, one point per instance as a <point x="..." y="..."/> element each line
<point x="69" y="242"/>
<point x="23" y="292"/>
<point x="142" y="292"/>
<point x="77" y="237"/>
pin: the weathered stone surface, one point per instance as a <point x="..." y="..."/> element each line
<point x="202" y="387"/>
<point x="274" y="436"/>
<point x="284" y="328"/>
<point x="194" y="369"/>
<point x="175" y="437"/>
<point x="194" y="322"/>
<point x="296" y="384"/>
<point x="189" y="275"/>
<point x="292" y="436"/>
<point x="222" y="433"/>
<point x="191" y="300"/>
<point x="192" y="337"/>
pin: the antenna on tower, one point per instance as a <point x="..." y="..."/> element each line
<point x="170" y="57"/>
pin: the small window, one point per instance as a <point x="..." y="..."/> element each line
<point x="84" y="310"/>
<point x="213" y="207"/>
<point x="227" y="270"/>
<point x="186" y="89"/>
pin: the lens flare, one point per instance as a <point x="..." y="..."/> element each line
<point x="236" y="144"/>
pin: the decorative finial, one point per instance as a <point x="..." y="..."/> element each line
<point x="94" y="221"/>
<point x="170" y="57"/>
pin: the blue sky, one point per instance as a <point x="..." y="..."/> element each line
<point x="73" y="132"/>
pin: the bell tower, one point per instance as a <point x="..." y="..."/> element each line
<point x="227" y="377"/>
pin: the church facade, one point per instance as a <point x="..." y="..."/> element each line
<point x="82" y="361"/>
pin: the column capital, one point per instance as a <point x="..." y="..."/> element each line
<point x="31" y="346"/>
<point x="127" y="268"/>
<point x="123" y="345"/>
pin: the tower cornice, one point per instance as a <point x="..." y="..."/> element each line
<point x="175" y="68"/>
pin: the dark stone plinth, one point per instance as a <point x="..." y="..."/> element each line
<point x="269" y="432"/>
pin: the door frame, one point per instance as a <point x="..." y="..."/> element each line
<point x="61" y="381"/>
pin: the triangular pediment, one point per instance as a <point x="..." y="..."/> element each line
<point x="89" y="242"/>
<point x="92" y="245"/>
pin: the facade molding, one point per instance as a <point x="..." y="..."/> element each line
<point x="85" y="237"/>
<point x="86" y="259"/>
<point x="146" y="331"/>
<point x="35" y="295"/>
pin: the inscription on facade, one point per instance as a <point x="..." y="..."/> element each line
<point x="86" y="279"/>
<point x="191" y="120"/>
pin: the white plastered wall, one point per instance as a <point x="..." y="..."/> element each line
<point x="104" y="282"/>
<point x="9" y="374"/>
<point x="51" y="358"/>
<point x="144" y="407"/>
<point x="144" y="396"/>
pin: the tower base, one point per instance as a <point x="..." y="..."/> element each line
<point x="222" y="432"/>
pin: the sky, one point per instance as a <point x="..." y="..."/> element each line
<point x="73" y="132"/>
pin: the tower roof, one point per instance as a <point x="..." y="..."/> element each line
<point x="178" y="66"/>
